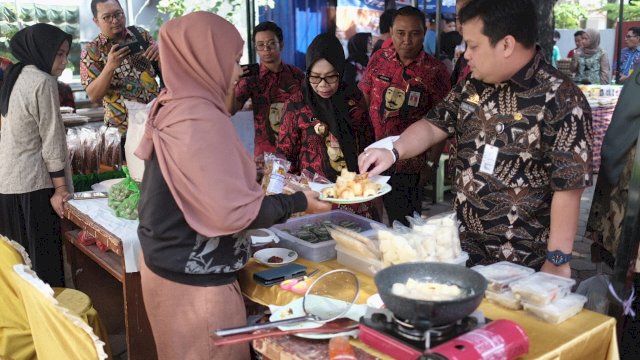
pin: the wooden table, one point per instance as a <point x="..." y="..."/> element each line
<point x="116" y="294"/>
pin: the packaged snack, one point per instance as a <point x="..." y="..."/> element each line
<point x="500" y="275"/>
<point x="558" y="311"/>
<point x="541" y="288"/>
<point x="275" y="169"/>
<point x="505" y="299"/>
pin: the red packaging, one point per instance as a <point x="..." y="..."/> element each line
<point x="102" y="247"/>
<point x="500" y="339"/>
<point x="85" y="238"/>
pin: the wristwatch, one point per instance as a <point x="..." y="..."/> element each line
<point x="557" y="257"/>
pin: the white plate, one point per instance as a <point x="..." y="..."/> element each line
<point x="358" y="199"/>
<point x="294" y="309"/>
<point x="106" y="185"/>
<point x="262" y="256"/>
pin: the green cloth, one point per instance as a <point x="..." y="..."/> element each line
<point x="84" y="182"/>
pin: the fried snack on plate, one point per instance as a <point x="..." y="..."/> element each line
<point x="350" y="185"/>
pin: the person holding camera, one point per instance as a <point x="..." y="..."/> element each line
<point x="268" y="85"/>
<point x="118" y="64"/>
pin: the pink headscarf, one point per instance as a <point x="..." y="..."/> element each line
<point x="209" y="172"/>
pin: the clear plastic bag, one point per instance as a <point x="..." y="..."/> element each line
<point x="275" y="169"/>
<point x="596" y="289"/>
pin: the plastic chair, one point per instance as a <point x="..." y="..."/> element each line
<point x="35" y="319"/>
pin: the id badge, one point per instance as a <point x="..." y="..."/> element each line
<point x="489" y="159"/>
<point x="414" y="99"/>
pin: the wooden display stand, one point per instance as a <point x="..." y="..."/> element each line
<point x="116" y="294"/>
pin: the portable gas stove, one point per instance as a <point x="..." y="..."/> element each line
<point x="402" y="340"/>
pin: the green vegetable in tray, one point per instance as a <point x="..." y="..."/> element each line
<point x="315" y="233"/>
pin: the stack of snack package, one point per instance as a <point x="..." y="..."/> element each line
<point x="89" y="147"/>
<point x="434" y="239"/>
<point x="545" y="296"/>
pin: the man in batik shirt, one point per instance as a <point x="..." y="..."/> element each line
<point x="401" y="83"/>
<point x="108" y="70"/>
<point x="269" y="89"/>
<point x="524" y="143"/>
<point x="630" y="56"/>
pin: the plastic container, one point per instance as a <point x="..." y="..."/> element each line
<point x="358" y="263"/>
<point x="320" y="251"/>
<point x="369" y="266"/>
<point x="558" y="311"/>
<point x="505" y="299"/>
<point x="541" y="288"/>
<point x="500" y="275"/>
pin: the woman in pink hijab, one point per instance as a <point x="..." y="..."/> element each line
<point x="199" y="194"/>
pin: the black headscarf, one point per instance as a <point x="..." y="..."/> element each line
<point x="332" y="111"/>
<point x="358" y="46"/>
<point x="34" y="45"/>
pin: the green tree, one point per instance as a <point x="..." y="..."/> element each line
<point x="569" y="16"/>
<point x="631" y="11"/>
<point x="175" y="8"/>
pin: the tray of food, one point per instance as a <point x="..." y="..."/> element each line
<point x="501" y="274"/>
<point x="309" y="235"/>
<point x="558" y="311"/>
<point x="505" y="299"/>
<point x="540" y="289"/>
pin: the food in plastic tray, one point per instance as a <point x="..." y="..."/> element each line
<point x="541" y="288"/>
<point x="559" y="310"/>
<point x="500" y="275"/>
<point x="354" y="261"/>
<point x="318" y="250"/>
<point x="505" y="299"/>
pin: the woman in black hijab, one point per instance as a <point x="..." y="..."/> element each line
<point x="326" y="124"/>
<point x="35" y="177"/>
<point x="359" y="47"/>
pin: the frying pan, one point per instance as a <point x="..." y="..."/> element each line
<point x="426" y="314"/>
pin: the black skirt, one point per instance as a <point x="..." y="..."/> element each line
<point x="30" y="220"/>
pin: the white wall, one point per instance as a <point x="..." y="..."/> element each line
<point x="607" y="41"/>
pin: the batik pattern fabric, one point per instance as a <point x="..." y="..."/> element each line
<point x="540" y="122"/>
<point x="401" y="95"/>
<point x="268" y="93"/>
<point x="307" y="143"/>
<point x="134" y="79"/>
<point x="217" y="255"/>
<point x="629" y="60"/>
<point x="608" y="208"/>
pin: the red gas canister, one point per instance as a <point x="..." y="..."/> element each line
<point x="498" y="340"/>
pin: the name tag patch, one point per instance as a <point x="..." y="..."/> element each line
<point x="489" y="158"/>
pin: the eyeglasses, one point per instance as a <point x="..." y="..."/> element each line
<point x="110" y="17"/>
<point x="630" y="36"/>
<point x="269" y="45"/>
<point x="330" y="79"/>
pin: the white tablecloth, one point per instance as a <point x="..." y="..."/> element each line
<point x="126" y="230"/>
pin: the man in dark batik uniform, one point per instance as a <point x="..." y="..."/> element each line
<point x="524" y="143"/>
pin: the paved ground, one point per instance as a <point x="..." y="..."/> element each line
<point x="581" y="265"/>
